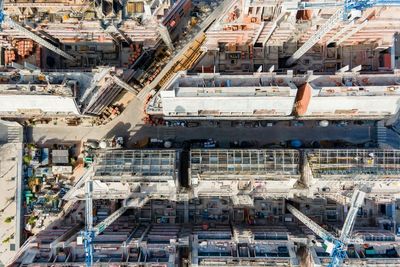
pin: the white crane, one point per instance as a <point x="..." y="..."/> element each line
<point x="337" y="247"/>
<point x="346" y="7"/>
<point x="91" y="231"/>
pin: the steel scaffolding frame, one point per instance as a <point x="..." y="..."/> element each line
<point x="135" y="163"/>
<point x="352" y="162"/>
<point x="284" y="162"/>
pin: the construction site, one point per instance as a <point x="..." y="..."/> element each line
<point x="271" y="96"/>
<point x="99" y="169"/>
<point x="230" y="207"/>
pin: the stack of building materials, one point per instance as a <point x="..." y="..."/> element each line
<point x="9" y="56"/>
<point x="136" y="52"/>
<point x="25" y="48"/>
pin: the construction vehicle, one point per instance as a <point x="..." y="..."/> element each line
<point x="193" y="21"/>
<point x="336" y="247"/>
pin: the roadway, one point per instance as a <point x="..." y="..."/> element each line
<point x="392" y="139"/>
<point x="131" y="116"/>
<point x="11" y="180"/>
<point x="133" y="130"/>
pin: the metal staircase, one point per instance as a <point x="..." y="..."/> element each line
<point x="381" y="134"/>
<point x="14" y="134"/>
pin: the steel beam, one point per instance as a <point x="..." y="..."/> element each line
<point x="324" y="29"/>
<point x="124" y="85"/>
<point x="108" y="221"/>
<point x="352" y="32"/>
<point x="318" y="230"/>
<point x="38" y="39"/>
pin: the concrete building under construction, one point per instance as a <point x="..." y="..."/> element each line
<point x="140" y="174"/>
<point x="89" y="33"/>
<point x="240" y="36"/>
<point x="254" y="35"/>
<point x="27" y="92"/>
<point x="271" y="96"/>
<point x="232" y="212"/>
<point x="192" y="63"/>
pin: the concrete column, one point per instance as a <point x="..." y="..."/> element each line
<point x="195" y="259"/>
<point x="306" y="176"/>
<point x="395" y="50"/>
<point x="246" y="5"/>
<point x="165" y="36"/>
<point x="147" y="9"/>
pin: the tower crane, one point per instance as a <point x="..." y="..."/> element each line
<point x="90" y="231"/>
<point x="346" y="8"/>
<point x="337" y="247"/>
<point x="4" y="18"/>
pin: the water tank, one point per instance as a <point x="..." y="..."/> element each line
<point x="167" y="144"/>
<point x="324" y="123"/>
<point x="103" y="144"/>
<point x="296" y="143"/>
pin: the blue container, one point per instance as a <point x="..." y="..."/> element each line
<point x="296" y="143"/>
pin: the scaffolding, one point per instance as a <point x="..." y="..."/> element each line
<point x="264" y="162"/>
<point x="352" y="162"/>
<point x="249" y="246"/>
<point x="140" y="163"/>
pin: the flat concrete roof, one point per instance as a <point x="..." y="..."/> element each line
<point x="355" y="105"/>
<point x="226" y="104"/>
<point x="37" y="104"/>
<point x="235" y="91"/>
<point x="274" y="95"/>
<point x="135" y="163"/>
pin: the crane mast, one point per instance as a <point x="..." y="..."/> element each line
<point x="88" y="234"/>
<point x="91" y="231"/>
<point x="337" y="247"/>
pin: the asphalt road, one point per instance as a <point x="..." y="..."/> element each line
<point x="130" y="117"/>
<point x="129" y="125"/>
<point x="133" y="130"/>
